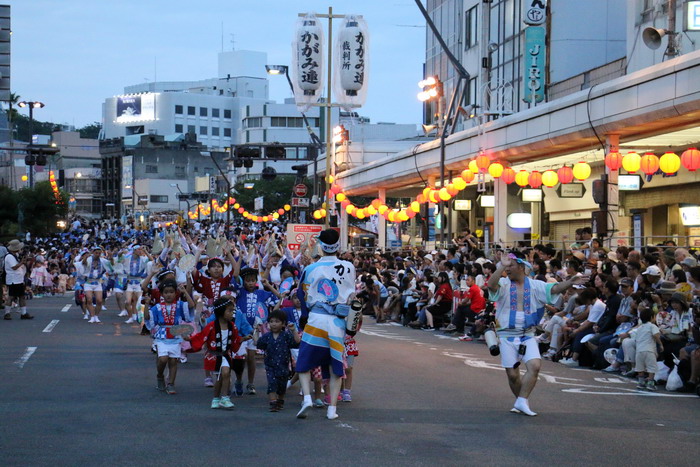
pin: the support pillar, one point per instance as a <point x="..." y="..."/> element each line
<point x="612" y="143"/>
<point x="343" y="219"/>
<point x="500" y="213"/>
<point x="381" y="223"/>
<point x="536" y="228"/>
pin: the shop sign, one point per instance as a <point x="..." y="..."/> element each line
<point x="463" y="205"/>
<point x="534" y="12"/>
<point x="571" y="190"/>
<point x="532" y="195"/>
<point x="693" y="14"/>
<point x="629" y="182"/>
<point x="690" y="215"/>
<point x="533" y="64"/>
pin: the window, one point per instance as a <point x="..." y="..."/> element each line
<point x="470" y="28"/>
<point x="180" y="171"/>
<point x="191" y="129"/>
<point x="295" y="122"/>
<point x="159" y="198"/>
<point x="151" y="169"/>
<point x="178" y="128"/>
<point x="215" y="113"/>
<point x="227" y="113"/>
<point x="203" y="111"/>
<point x="190" y="110"/>
<point x="215" y="131"/>
<point x="178" y="110"/>
<point x="203" y="130"/>
<point x="227" y="132"/>
<point x="255" y="122"/>
<point x="279" y="121"/>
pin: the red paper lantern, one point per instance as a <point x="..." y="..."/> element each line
<point x="240" y="210"/>
<point x="613" y="160"/>
<point x="649" y="163"/>
<point x="535" y="179"/>
<point x="335" y="189"/>
<point x="483" y="162"/>
<point x="420" y="198"/>
<point x="691" y="159"/>
<point x="566" y="175"/>
<point x="508" y="175"/>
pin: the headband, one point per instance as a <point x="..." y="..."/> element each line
<point x="329" y="247"/>
<point x="520" y="261"/>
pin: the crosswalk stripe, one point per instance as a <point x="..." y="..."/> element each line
<point x="51" y="325"/>
<point x="65" y="308"/>
<point x="23" y="359"/>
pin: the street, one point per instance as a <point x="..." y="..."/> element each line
<point x="75" y="393"/>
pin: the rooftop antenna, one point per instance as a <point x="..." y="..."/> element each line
<point x="233" y="41"/>
<point x="222" y="36"/>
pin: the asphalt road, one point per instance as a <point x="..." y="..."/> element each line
<point x="86" y="396"/>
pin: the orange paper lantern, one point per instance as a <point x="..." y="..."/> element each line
<point x="467" y="175"/>
<point x="535" y="179"/>
<point x="482" y="162"/>
<point x="613" y="160"/>
<point x="649" y="163"/>
<point x="508" y="175"/>
<point x="565" y="174"/>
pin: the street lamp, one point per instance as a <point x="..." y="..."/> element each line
<point x="175" y="185"/>
<point x="31" y="159"/>
<point x="138" y="197"/>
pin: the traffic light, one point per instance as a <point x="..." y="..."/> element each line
<point x="238" y="163"/>
<point x="247" y="163"/>
<point x="275" y="151"/>
<point x="247" y="152"/>
<point x="301" y="169"/>
<point x="269" y="174"/>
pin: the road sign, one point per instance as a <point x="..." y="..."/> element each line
<point x="297" y="234"/>
<point x="300" y="190"/>
<point x="300" y="202"/>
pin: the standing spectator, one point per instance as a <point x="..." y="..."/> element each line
<point x="15" y="271"/>
<point x="647" y="339"/>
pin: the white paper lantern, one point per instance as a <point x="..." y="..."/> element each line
<point x="308" y="64"/>
<point x="351" y="63"/>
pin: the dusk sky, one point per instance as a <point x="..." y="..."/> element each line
<point x="72" y="54"/>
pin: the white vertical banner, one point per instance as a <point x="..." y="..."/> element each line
<point x="351" y="62"/>
<point x="308" y="62"/>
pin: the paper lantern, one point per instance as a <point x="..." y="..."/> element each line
<point x="669" y="163"/>
<point x="335" y="189"/>
<point x="535" y="179"/>
<point x="280" y="211"/>
<point x="402" y="216"/>
<point x="360" y="214"/>
<point x="420" y="198"/>
<point x="467" y="175"/>
<point x="382" y="209"/>
<point x="317" y="214"/>
<point x="426" y="191"/>
<point x="444" y="195"/>
<point x="345" y="203"/>
<point x="411" y="214"/>
<point x="287" y="207"/>
<point x="415" y="206"/>
<point x="309" y="50"/>
<point x="482" y="162"/>
<point x="241" y="210"/>
<point x="376" y="203"/>
<point x="352" y="52"/>
<point x="391" y="216"/>
<point x="473" y="167"/>
<point x="266" y="218"/>
<point x="433" y="196"/>
<point x="613" y="160"/>
<point x="275" y="216"/>
<point x="496" y="169"/>
<point x="350" y="209"/>
<point x="341" y="197"/>
<point x="565" y="174"/>
<point x="550" y="178"/>
<point x="330" y="179"/>
<point x="452" y="190"/>
<point x="691" y="159"/>
<point x="631" y="162"/>
<point x="582" y="171"/>
<point x="508" y="175"/>
<point x="649" y="163"/>
<point x="371" y="210"/>
<point x="521" y="178"/>
<point x="459" y="183"/>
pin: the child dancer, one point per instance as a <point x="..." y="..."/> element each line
<point x="222" y="339"/>
<point x="277" y="345"/>
<point x="161" y="317"/>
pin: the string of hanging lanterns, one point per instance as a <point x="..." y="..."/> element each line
<point x="205" y="210"/>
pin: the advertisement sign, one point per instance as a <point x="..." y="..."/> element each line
<point x="136" y="108"/>
<point x="127" y="177"/>
<point x="297" y="234"/>
<point x="300" y="202"/>
<point x="463" y="205"/>
<point x="637" y="228"/>
<point x="693" y="14"/>
<point x="259" y="203"/>
<point x="532" y="195"/>
<point x="533" y="64"/>
<point x="572" y="190"/>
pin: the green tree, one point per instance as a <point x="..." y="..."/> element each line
<point x="91" y="131"/>
<point x="8" y="211"/>
<point x="40" y="209"/>
<point x="275" y="194"/>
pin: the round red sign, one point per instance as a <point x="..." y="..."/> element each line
<point x="300" y="190"/>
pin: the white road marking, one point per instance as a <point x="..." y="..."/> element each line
<point x="23" y="359"/>
<point x="345" y="425"/>
<point x="65" y="308"/>
<point x="51" y="325"/>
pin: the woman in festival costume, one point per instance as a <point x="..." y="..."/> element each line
<point x="222" y="340"/>
<point x="160" y="319"/>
